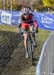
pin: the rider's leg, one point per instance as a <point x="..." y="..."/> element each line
<point x="31" y="29"/>
<point x="36" y="35"/>
<point x="33" y="35"/>
<point x="25" y="28"/>
<point x="26" y="43"/>
<point x="25" y="39"/>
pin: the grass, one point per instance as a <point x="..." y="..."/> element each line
<point x="8" y="28"/>
<point x="42" y="36"/>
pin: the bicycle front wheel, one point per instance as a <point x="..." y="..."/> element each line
<point x="30" y="49"/>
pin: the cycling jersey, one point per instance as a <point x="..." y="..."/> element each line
<point x="28" y="19"/>
<point x="26" y="22"/>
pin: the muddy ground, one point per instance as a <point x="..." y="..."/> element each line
<point x="12" y="55"/>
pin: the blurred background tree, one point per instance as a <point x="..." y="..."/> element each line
<point x="48" y="3"/>
<point x="0" y="4"/>
<point x="17" y="4"/>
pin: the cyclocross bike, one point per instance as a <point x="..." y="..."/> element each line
<point x="30" y="44"/>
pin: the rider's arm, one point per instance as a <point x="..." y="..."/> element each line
<point x="20" y="22"/>
<point x="36" y="26"/>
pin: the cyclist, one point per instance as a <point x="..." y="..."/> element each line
<point x="27" y="25"/>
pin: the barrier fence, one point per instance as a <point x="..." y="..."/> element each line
<point x="45" y="65"/>
<point x="45" y="20"/>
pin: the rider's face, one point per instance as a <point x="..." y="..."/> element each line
<point x="26" y="16"/>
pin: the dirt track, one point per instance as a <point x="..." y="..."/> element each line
<point x="13" y="61"/>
